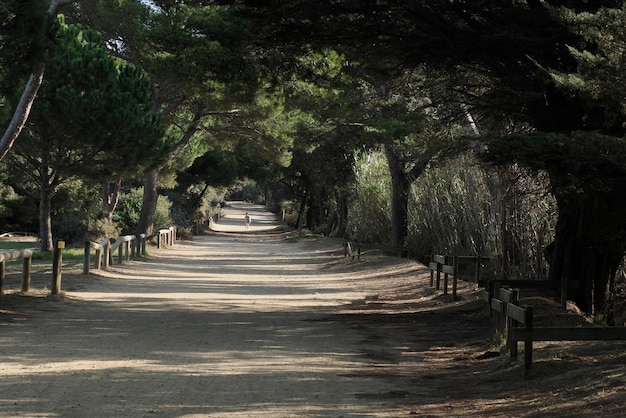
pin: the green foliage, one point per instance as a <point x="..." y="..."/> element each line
<point x="74" y="222"/>
<point x="460" y="208"/>
<point x="17" y="213"/>
<point x="581" y="162"/>
<point x="507" y="214"/>
<point x="129" y="209"/>
<point x="89" y="94"/>
<point x="290" y="208"/>
<point x="370" y="206"/>
<point x="246" y="190"/>
<point x="198" y="50"/>
<point x="599" y="79"/>
<point x="94" y="115"/>
<point x="195" y="203"/>
<point x="99" y="229"/>
<point x="94" y="119"/>
<point x="23" y="41"/>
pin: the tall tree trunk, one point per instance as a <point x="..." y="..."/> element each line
<point x="20" y="116"/>
<point x="151" y="179"/>
<point x="588" y="248"/>
<point x="342" y="214"/>
<point x="400" y="189"/>
<point x="110" y="194"/>
<point x="303" y="201"/>
<point x="45" y="220"/>
<point x="148" y="207"/>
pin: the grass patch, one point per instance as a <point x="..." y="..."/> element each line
<point x="18" y="245"/>
<point x="69" y="254"/>
<point x="42" y="260"/>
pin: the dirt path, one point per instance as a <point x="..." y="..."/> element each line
<point x="260" y="324"/>
<point x="224" y="325"/>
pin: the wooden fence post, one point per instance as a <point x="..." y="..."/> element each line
<point x="26" y="273"/>
<point x="56" y="267"/>
<point x="126" y="251"/>
<point x="120" y="253"/>
<point x="107" y="255"/>
<point x="455" y="274"/>
<point x="97" y="264"/>
<point x="143" y="243"/>
<point x="528" y="344"/>
<point x="2" y="278"/>
<point x="86" y="257"/>
<point x="477" y="276"/>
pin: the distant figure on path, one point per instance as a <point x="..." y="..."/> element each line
<point x="246" y="220"/>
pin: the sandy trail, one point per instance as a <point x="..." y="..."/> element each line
<point x="226" y="325"/>
<point x="260" y="324"/>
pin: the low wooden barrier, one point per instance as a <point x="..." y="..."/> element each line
<point x="123" y="246"/>
<point x="492" y="286"/>
<point x="101" y="260"/>
<point x="127" y="247"/>
<point x="57" y="262"/>
<point x="355" y="250"/>
<point x="166" y="237"/>
<point x="449" y="267"/>
<point x="26" y="256"/>
<point x="516" y="323"/>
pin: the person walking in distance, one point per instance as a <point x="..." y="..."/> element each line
<point x="246" y="220"/>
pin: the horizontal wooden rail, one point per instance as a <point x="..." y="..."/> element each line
<point x="569" y="334"/>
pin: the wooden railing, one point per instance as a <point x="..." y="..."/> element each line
<point x="449" y="267"/>
<point x="127" y="246"/>
<point x="26" y="256"/>
<point x="516" y="323"/>
<point x="122" y="245"/>
<point x="101" y="255"/>
<point x="166" y="237"/>
<point x="355" y="249"/>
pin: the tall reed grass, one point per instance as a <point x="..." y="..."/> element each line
<point x="459" y="207"/>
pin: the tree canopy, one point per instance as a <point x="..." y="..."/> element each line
<point x="94" y="118"/>
<point x="289" y="90"/>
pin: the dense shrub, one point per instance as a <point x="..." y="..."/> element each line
<point x="369" y="211"/>
<point x="76" y="211"/>
<point x="128" y="210"/>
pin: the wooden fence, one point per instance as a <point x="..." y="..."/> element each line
<point x="449" y="267"/>
<point x="516" y="324"/>
<point x="355" y="250"/>
<point x="27" y="256"/>
<point x="166" y="237"/>
<point x="128" y="247"/>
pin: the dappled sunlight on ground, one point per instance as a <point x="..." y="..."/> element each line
<point x="270" y="324"/>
